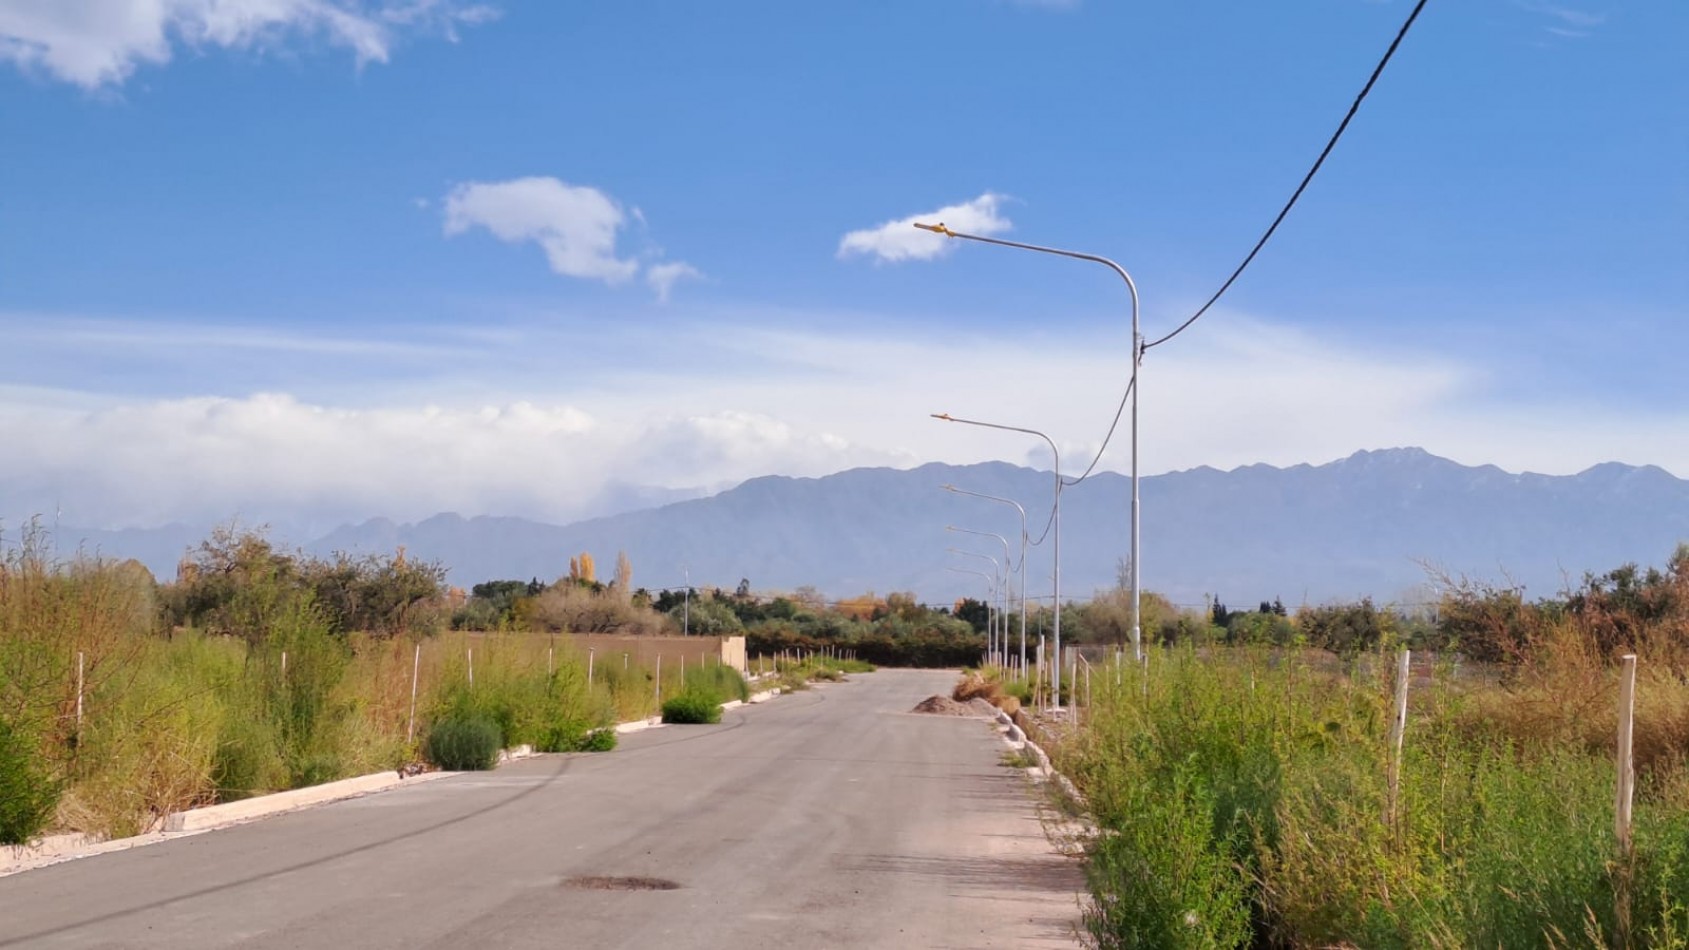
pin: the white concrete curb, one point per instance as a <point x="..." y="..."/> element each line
<point x="638" y="725"/>
<point x="57" y="848"/>
<point x="228" y="813"/>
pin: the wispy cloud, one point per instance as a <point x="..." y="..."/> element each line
<point x="900" y="240"/>
<point x="577" y="226"/>
<point x="663" y="277"/>
<point x="1566" y="22"/>
<point x="100" y="43"/>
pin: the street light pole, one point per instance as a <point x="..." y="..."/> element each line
<point x="996" y="591"/>
<point x="1008" y="501"/>
<point x="989" y="583"/>
<point x="1137" y="358"/>
<point x="1003" y="594"/>
<point x="1056" y="517"/>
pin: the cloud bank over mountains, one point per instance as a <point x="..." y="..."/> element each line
<point x="548" y="419"/>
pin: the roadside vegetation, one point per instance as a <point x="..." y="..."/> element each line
<point x="893" y="630"/>
<point x="1241" y="786"/>
<point x="122" y="700"/>
<point x="792" y="671"/>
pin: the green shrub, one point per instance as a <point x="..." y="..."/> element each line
<point x="463" y="745"/>
<point x="561" y="737"/>
<point x="27" y="797"/>
<point x="599" y="740"/>
<point x="247" y="761"/>
<point x="692" y="707"/>
<point x="1162" y="879"/>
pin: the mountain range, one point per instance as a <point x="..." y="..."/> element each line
<point x="1378" y="523"/>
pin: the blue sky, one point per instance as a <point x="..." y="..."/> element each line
<point x="309" y="260"/>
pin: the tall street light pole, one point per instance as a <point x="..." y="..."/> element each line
<point x="1008" y="501"/>
<point x="1055" y="678"/>
<point x="1003" y="595"/>
<point x="1137" y="358"/>
<point x="996" y="591"/>
<point x="989" y="583"/>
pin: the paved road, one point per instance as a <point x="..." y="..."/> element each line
<point x="828" y="818"/>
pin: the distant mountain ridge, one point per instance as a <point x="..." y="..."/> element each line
<point x="1362" y="525"/>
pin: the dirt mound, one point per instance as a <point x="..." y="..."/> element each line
<point x="982" y="707"/>
<point x="943" y="706"/>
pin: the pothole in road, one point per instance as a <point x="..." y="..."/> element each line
<point x="602" y="883"/>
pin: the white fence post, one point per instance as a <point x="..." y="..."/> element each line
<point x="416" y="669"/>
<point x="1626" y="792"/>
<point x="589" y="652"/>
<point x="79" y="681"/>
<point x="469" y="654"/>
<point x="1398" y="730"/>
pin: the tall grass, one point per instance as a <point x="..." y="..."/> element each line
<point x="173" y="720"/>
<point x="1241" y="797"/>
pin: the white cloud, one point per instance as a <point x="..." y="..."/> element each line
<point x="900" y="240"/>
<point x="95" y="43"/>
<point x="575" y="225"/>
<point x="662" y="277"/>
<point x="273" y="457"/>
<point x="541" y="420"/>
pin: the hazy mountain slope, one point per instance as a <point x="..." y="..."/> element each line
<point x="1351" y="527"/>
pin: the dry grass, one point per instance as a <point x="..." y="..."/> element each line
<point x="1562" y="695"/>
<point x="989" y="686"/>
<point x="975" y="685"/>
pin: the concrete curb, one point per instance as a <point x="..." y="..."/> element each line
<point x="1017" y="739"/>
<point x="638" y="725"/>
<point x="228" y="813"/>
<point x="57" y="848"/>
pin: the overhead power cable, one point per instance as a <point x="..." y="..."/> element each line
<point x="1118" y="410"/>
<point x="1353" y="108"/>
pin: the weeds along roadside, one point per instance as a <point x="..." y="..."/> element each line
<point x="166" y="723"/>
<point x="1242" y="800"/>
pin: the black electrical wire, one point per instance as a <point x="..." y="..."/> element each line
<point x="1353" y="108"/>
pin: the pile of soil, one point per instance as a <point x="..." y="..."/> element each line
<point x="982" y="707"/>
<point x="943" y="706"/>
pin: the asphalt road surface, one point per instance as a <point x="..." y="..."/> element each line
<point x="827" y="818"/>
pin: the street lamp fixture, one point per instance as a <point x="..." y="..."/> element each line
<point x="990" y="583"/>
<point x="1055" y="676"/>
<point x="1137" y="359"/>
<point x="1003" y="594"/>
<point x="1009" y="501"/>
<point x="996" y="590"/>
